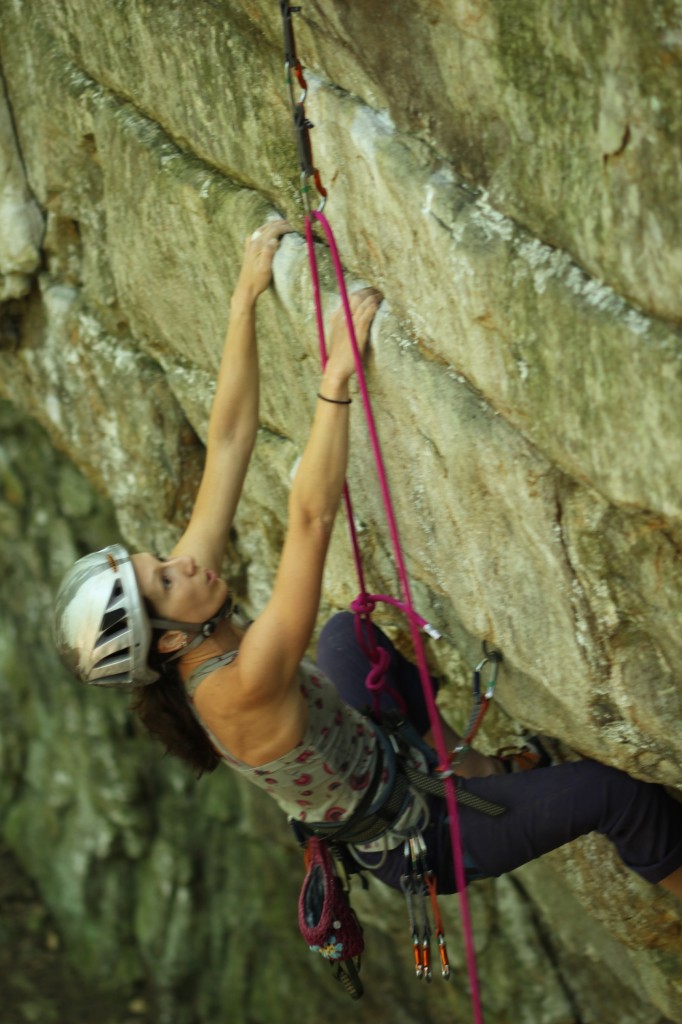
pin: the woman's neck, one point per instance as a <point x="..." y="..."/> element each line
<point x="226" y="637"/>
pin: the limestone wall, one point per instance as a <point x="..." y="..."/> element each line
<point x="508" y="175"/>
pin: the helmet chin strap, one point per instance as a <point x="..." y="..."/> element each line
<point x="202" y="630"/>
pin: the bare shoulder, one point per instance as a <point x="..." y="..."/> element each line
<point x="249" y="723"/>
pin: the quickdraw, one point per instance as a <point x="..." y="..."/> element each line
<point x="294" y="68"/>
<point x="418" y="884"/>
<point x="481" y="702"/>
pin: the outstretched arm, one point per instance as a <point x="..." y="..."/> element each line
<point x="276" y="642"/>
<point x="234" y="413"/>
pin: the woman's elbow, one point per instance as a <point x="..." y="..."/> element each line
<point x="313" y="517"/>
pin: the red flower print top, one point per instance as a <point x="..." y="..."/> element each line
<point x="326" y="775"/>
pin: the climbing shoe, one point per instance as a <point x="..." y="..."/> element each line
<point x="523" y="759"/>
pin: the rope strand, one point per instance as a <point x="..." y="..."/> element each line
<point x="415" y="621"/>
<point x="308" y="170"/>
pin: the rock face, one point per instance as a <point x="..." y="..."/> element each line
<point x="508" y="175"/>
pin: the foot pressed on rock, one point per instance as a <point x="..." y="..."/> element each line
<point x="525" y="758"/>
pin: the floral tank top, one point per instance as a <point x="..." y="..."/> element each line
<point x="325" y="776"/>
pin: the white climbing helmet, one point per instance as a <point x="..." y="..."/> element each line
<point x="101" y="627"/>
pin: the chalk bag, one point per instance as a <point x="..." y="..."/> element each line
<point x="326" y="919"/>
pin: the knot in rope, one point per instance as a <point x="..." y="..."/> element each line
<point x="364" y="604"/>
<point x="376" y="677"/>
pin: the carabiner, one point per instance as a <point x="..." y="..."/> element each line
<point x="286" y="10"/>
<point x="426" y="958"/>
<point x="443" y="954"/>
<point x="492" y="654"/>
<point x="494" y="659"/>
<point x="418" y="961"/>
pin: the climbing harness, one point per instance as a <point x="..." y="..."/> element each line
<point x="415" y="885"/>
<point x="397" y="742"/>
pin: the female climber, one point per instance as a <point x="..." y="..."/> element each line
<point x="214" y="690"/>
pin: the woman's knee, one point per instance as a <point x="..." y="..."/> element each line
<point x="340" y="658"/>
<point x="641" y="820"/>
<point x="337" y="634"/>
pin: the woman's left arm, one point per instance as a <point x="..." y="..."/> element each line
<point x="275" y="643"/>
<point x="233" y="423"/>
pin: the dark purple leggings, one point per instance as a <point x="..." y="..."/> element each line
<point x="545" y="808"/>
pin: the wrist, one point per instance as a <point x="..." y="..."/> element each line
<point x="243" y="299"/>
<point x="334" y="388"/>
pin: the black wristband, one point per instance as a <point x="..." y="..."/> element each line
<point x="335" y="401"/>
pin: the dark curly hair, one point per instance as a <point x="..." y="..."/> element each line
<point x="165" y="712"/>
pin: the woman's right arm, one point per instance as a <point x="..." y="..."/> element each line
<point x="233" y="422"/>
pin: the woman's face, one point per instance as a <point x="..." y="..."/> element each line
<point x="178" y="588"/>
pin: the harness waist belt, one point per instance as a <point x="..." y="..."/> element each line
<point x="368" y="822"/>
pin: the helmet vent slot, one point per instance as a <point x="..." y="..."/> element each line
<point x="112" y="623"/>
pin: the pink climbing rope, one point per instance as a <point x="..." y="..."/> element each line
<point x="365" y="602"/>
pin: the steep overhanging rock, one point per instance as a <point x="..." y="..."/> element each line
<point x="527" y="368"/>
